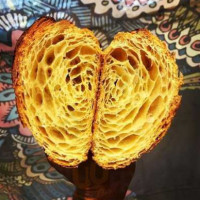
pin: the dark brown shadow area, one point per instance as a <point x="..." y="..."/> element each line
<point x="95" y="183"/>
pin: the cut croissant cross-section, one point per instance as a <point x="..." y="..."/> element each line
<point x="55" y="76"/>
<point x="138" y="98"/>
<point x="75" y="97"/>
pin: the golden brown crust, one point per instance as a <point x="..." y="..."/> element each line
<point x="67" y="164"/>
<point x="20" y="52"/>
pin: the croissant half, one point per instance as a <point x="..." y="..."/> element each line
<point x="55" y="76"/>
<point x="138" y="98"/>
<point x="75" y="97"/>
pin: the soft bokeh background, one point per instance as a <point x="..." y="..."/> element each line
<point x="172" y="170"/>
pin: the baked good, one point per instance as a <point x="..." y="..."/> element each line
<point x="138" y="98"/>
<point x="75" y="97"/>
<point x="55" y="76"/>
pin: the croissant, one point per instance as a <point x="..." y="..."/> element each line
<point x="74" y="97"/>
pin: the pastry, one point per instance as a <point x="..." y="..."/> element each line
<point x="75" y="97"/>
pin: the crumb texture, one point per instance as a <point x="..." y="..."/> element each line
<point x="139" y="86"/>
<point x="70" y="109"/>
<point x="59" y="75"/>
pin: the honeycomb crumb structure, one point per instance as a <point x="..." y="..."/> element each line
<point x="75" y="97"/>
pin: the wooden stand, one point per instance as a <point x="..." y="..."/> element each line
<point x="95" y="183"/>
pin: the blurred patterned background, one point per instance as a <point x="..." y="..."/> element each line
<point x="172" y="170"/>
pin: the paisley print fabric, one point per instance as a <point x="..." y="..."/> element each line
<point x="24" y="170"/>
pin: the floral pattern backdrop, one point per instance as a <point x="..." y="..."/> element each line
<point x="24" y="170"/>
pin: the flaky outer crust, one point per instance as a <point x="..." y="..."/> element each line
<point x="164" y="126"/>
<point x="21" y="51"/>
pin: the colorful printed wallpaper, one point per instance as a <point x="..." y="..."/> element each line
<point x="24" y="170"/>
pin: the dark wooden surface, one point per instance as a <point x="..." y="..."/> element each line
<point x="95" y="183"/>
